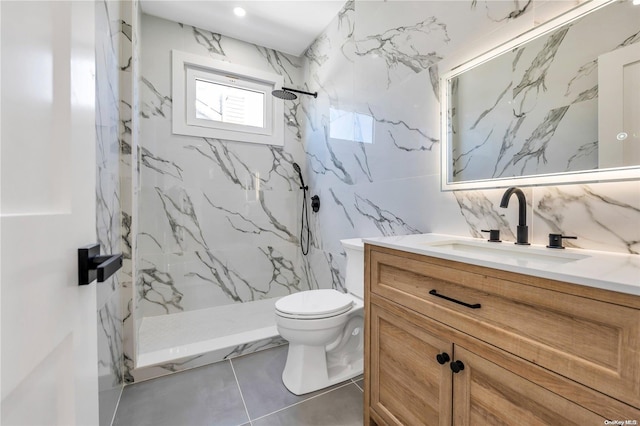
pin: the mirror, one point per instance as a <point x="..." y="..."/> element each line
<point x="559" y="104"/>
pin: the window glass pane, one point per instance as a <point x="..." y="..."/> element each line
<point x="227" y="104"/>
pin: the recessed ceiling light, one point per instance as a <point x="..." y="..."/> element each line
<point x="239" y="12"/>
<point x="636" y="2"/>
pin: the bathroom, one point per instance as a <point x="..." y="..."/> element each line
<point x="205" y="223"/>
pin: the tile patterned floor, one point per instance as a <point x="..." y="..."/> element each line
<point x="243" y="391"/>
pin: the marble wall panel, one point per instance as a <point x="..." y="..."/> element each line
<point x="604" y="216"/>
<point x="173" y="283"/>
<point x="210" y="207"/>
<point x="129" y="175"/>
<point x="108" y="211"/>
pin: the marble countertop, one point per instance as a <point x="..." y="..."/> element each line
<point x="610" y="271"/>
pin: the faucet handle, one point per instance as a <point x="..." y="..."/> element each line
<point x="494" y="235"/>
<point x="555" y="240"/>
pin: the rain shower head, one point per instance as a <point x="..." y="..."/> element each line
<point x="286" y="93"/>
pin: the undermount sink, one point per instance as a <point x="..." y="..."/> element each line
<point x="504" y="251"/>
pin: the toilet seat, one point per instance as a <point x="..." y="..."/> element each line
<point x="314" y="304"/>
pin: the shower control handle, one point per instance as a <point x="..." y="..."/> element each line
<point x="315" y="203"/>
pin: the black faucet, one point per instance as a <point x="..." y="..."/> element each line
<point x="523" y="229"/>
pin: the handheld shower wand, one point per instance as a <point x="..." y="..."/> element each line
<point x="304" y="245"/>
<point x="296" y="167"/>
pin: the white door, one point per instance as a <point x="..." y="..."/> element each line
<point x="48" y="168"/>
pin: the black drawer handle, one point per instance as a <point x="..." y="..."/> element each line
<point x="450" y="299"/>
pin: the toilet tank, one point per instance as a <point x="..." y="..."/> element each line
<point x="354" y="280"/>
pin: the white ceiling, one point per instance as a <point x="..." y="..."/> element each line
<point x="287" y="26"/>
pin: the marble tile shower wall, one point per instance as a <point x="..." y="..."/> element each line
<point x="380" y="59"/>
<point x="129" y="172"/>
<point x="110" y="351"/>
<point x="218" y="220"/>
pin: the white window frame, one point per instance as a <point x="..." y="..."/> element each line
<point x="187" y="68"/>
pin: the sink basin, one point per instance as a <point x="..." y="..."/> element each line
<point x="505" y="251"/>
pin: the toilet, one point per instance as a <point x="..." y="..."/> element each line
<point x="325" y="329"/>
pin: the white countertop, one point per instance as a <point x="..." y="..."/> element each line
<point x="610" y="271"/>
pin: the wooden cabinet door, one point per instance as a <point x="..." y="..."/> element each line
<point x="407" y="384"/>
<point x="487" y="394"/>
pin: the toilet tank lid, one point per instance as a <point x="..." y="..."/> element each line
<point x="353" y="243"/>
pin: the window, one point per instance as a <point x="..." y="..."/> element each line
<point x="226" y="101"/>
<point x="228" y="104"/>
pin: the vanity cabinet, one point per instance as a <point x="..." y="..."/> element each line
<point x="534" y="351"/>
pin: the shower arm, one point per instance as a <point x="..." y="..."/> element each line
<point x="314" y="94"/>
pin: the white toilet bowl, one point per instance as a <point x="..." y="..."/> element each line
<point x="325" y="330"/>
<point x="324" y="349"/>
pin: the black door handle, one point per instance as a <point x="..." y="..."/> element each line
<point x="91" y="265"/>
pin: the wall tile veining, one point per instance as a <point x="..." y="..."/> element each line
<point x="381" y="59"/>
<point x="208" y="207"/>
<point x="108" y="211"/>
<point x="129" y="174"/>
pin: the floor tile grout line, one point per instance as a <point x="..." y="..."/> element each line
<point x="304" y="400"/>
<point x="115" y="411"/>
<point x="355" y="382"/>
<point x="246" y="410"/>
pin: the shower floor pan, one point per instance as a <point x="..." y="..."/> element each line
<point x="165" y="338"/>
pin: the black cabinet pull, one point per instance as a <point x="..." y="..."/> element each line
<point x="442" y="358"/>
<point x="457" y="366"/>
<point x="450" y="299"/>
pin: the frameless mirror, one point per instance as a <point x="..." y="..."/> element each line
<point x="559" y="104"/>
